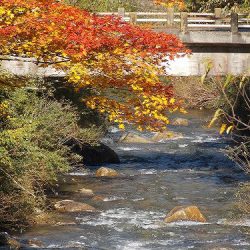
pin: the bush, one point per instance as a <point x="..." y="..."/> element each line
<point x="33" y="129"/>
<point x="209" y="5"/>
<point x="194" y="93"/>
<point x="243" y="196"/>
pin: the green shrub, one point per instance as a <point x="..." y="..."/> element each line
<point x="33" y="129"/>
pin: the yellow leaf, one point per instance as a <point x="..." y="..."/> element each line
<point x="172" y="101"/>
<point x="216" y="116"/>
<point x="121" y="126"/>
<point x="242" y="81"/>
<point x="223" y="128"/>
<point x="2" y="11"/>
<point x="229" y="129"/>
<point x="228" y="81"/>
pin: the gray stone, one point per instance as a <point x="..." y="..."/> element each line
<point x="70" y="206"/>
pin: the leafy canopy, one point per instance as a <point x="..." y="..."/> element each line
<point x="118" y="62"/>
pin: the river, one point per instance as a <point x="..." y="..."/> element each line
<point x="154" y="179"/>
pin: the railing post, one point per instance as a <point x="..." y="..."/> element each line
<point x="170" y="16"/>
<point x="133" y="17"/>
<point x="218" y="15"/>
<point x="234" y="23"/>
<point x="121" y="12"/>
<point x="184" y="22"/>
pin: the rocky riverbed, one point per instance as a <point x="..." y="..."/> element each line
<point x="187" y="173"/>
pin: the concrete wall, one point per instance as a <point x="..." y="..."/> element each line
<point x="28" y="68"/>
<point x="223" y="63"/>
<point x="214" y="37"/>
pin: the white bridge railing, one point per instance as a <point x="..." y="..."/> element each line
<point x="187" y="21"/>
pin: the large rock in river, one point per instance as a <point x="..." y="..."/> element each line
<point x="180" y="122"/>
<point x="134" y="138"/>
<point x="106" y="172"/>
<point x="86" y="192"/>
<point x="181" y="213"/>
<point x="70" y="206"/>
<point x="166" y="135"/>
<point x="93" y="154"/>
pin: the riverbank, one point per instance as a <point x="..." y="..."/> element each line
<point x="34" y="130"/>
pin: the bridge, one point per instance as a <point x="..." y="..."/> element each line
<point x="222" y="39"/>
<point x="197" y="29"/>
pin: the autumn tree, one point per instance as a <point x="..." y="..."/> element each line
<point x="118" y="63"/>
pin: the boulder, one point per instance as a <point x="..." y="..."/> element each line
<point x="106" y="172"/>
<point x="180" y="122"/>
<point x="86" y="192"/>
<point x="166" y="135"/>
<point x="98" y="198"/>
<point x="134" y="138"/>
<point x="182" y="213"/>
<point x="8" y="241"/>
<point x="70" y="206"/>
<point x="93" y="154"/>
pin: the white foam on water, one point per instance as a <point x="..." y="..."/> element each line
<point x="129" y="148"/>
<point x="148" y="171"/>
<point x="198" y="139"/>
<point x="120" y="218"/>
<point x="75" y="244"/>
<point x="138" y="199"/>
<point x="186" y="223"/>
<point x="114" y="198"/>
<point x="129" y="245"/>
<point x="183" y="145"/>
<point x="179" y="198"/>
<point x="81" y="173"/>
<point x="142" y="245"/>
<point x="241" y="223"/>
<point x="241" y="243"/>
<point x="211" y="139"/>
<point x="54" y="246"/>
<point x="103" y="222"/>
<point x="204" y="138"/>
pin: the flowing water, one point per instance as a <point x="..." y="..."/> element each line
<point x="156" y="178"/>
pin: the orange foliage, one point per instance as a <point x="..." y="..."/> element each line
<point x="171" y="3"/>
<point x="98" y="53"/>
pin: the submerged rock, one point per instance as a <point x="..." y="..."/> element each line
<point x="86" y="192"/>
<point x="70" y="206"/>
<point x="166" y="135"/>
<point x="134" y="138"/>
<point x="8" y="241"/>
<point x="180" y="122"/>
<point x="157" y="137"/>
<point x="93" y="154"/>
<point x="181" y="213"/>
<point x="98" y="198"/>
<point x="106" y="172"/>
<point x="33" y="243"/>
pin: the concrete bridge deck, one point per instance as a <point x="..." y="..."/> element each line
<point x="213" y="41"/>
